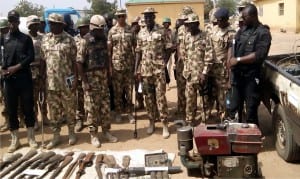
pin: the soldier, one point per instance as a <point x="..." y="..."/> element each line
<point x="135" y="28"/>
<point x="33" y="23"/>
<point x="151" y="61"/>
<point x="4" y="29"/>
<point x="58" y="51"/>
<point x="195" y="68"/>
<point x="83" y="27"/>
<point x="120" y="50"/>
<point x="217" y="49"/>
<point x="42" y="26"/>
<point x="18" y="54"/>
<point x="93" y="67"/>
<point x="180" y="80"/>
<point x="252" y="44"/>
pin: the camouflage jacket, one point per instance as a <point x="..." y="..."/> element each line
<point x="93" y="54"/>
<point x="180" y="42"/>
<point x="194" y="64"/>
<point x="217" y="48"/>
<point x="153" y="47"/>
<point x="122" y="41"/>
<point x="37" y="41"/>
<point x="59" y="53"/>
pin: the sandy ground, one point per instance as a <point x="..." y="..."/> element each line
<point x="271" y="164"/>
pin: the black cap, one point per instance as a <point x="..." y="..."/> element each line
<point x="13" y="15"/>
<point x="222" y="13"/>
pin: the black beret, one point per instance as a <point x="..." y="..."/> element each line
<point x="222" y="13"/>
<point x="13" y="15"/>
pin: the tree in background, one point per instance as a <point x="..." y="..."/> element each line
<point x="229" y="4"/>
<point x="26" y="8"/>
<point x="102" y="6"/>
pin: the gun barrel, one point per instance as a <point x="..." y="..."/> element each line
<point x="10" y="160"/>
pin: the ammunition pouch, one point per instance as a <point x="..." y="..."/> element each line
<point x="148" y="88"/>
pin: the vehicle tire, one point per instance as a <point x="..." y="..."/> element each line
<point x="285" y="145"/>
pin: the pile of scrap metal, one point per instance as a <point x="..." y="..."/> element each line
<point x="50" y="165"/>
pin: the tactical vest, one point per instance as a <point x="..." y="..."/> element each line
<point x="97" y="53"/>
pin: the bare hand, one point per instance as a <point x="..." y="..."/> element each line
<point x="232" y="62"/>
<point x="13" y="69"/>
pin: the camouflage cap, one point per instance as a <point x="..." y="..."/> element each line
<point x="33" y="19"/>
<point x="182" y="16"/>
<point x="83" y="21"/>
<point x="192" y="18"/>
<point x="3" y="23"/>
<point x="120" y="12"/>
<point x="149" y="10"/>
<point x="166" y="19"/>
<point x="187" y="10"/>
<point x="57" y="18"/>
<point x="13" y="15"/>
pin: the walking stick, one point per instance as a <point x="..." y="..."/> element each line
<point x="41" y="101"/>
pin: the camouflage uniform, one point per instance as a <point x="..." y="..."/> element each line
<point x="93" y="55"/>
<point x="59" y="52"/>
<point x="180" y="80"/>
<point x="152" y="44"/>
<point x="194" y="66"/>
<point x="80" y="114"/>
<point x="122" y="41"/>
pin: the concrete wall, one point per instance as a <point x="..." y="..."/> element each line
<point x="289" y="21"/>
<point x="167" y="9"/>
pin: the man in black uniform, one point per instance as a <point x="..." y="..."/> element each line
<point x="18" y="54"/>
<point x="251" y="47"/>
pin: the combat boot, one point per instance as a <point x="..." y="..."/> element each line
<point x="79" y="126"/>
<point x="15" y="143"/>
<point x="55" y="141"/>
<point x="31" y="138"/>
<point x="108" y="136"/>
<point x="151" y="127"/>
<point x="72" y="136"/>
<point x="118" y="118"/>
<point x="94" y="137"/>
<point x="165" y="133"/>
<point x="4" y="127"/>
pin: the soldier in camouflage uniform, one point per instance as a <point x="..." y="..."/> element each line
<point x="92" y="63"/>
<point x="4" y="29"/>
<point x="179" y="63"/>
<point x="120" y="49"/>
<point x="83" y="27"/>
<point x="58" y="50"/>
<point x="32" y="24"/>
<point x="151" y="60"/>
<point x="217" y="49"/>
<point x="195" y="67"/>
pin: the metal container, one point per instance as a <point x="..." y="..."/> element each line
<point x="185" y="138"/>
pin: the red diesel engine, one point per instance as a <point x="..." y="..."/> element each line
<point x="226" y="150"/>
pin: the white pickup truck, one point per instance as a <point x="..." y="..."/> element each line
<point x="281" y="96"/>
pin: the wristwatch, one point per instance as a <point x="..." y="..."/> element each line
<point x="238" y="59"/>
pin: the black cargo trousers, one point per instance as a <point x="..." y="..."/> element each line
<point x="245" y="88"/>
<point x="19" y="88"/>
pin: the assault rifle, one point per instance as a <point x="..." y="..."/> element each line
<point x="12" y="167"/>
<point x="10" y="160"/>
<point x="86" y="162"/>
<point x="65" y="162"/>
<point x="73" y="165"/>
<point x="26" y="164"/>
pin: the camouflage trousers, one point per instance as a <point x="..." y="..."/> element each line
<point x="61" y="105"/>
<point x="80" y="114"/>
<point x="191" y="100"/>
<point x="219" y="93"/>
<point x="122" y="81"/>
<point x="154" y="89"/>
<point x="37" y="105"/>
<point x="97" y="105"/>
<point x="181" y="84"/>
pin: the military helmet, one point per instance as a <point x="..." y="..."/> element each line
<point x="97" y="22"/>
<point x="120" y="12"/>
<point x="83" y="21"/>
<point x="186" y="10"/>
<point x="167" y="19"/>
<point x="3" y="23"/>
<point x="149" y="10"/>
<point x="56" y="18"/>
<point x="192" y="18"/>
